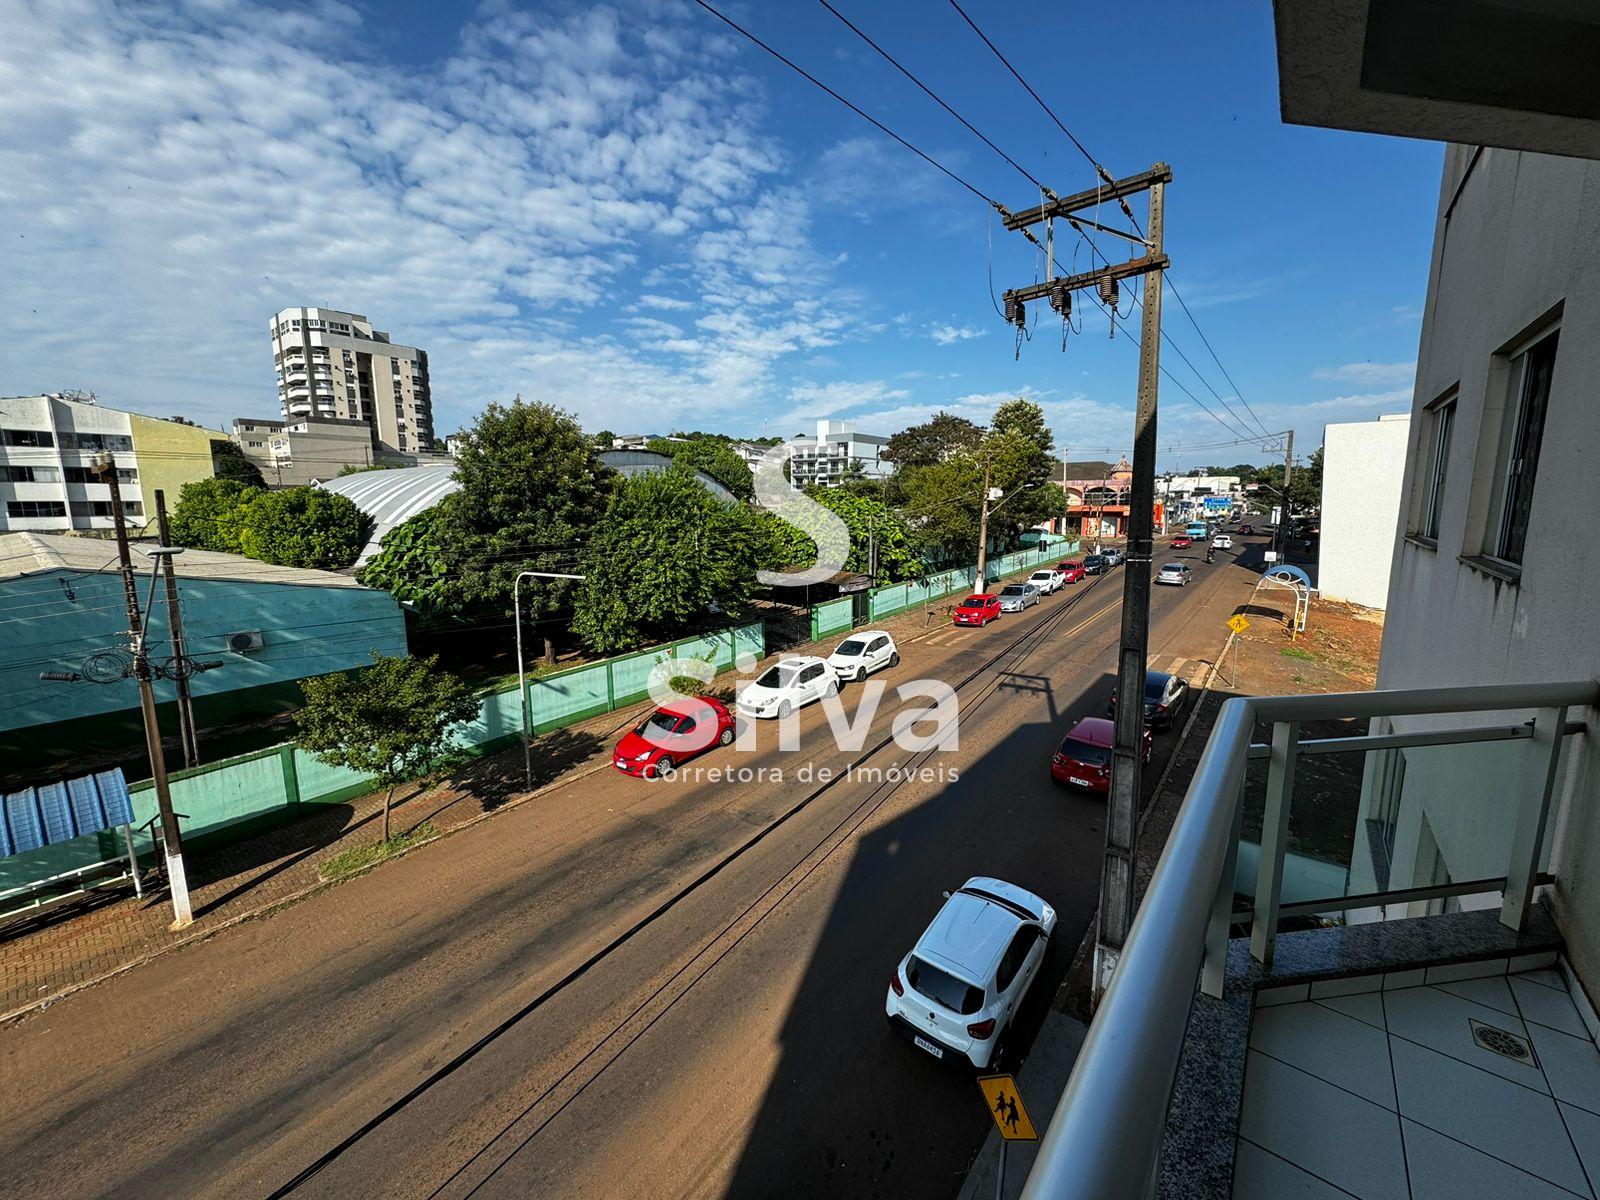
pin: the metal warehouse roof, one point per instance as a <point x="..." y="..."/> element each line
<point x="23" y="554"/>
<point x="390" y="497"/>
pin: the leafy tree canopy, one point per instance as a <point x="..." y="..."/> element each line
<point x="666" y="552"/>
<point x="304" y="527"/>
<point x="532" y="492"/>
<point x="942" y="437"/>
<point x="228" y="461"/>
<point x="413" y="562"/>
<point x="715" y="456"/>
<point x="390" y="720"/>
<point x="876" y="531"/>
<point x="210" y="514"/>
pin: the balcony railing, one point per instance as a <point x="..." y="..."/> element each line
<point x="1105" y="1139"/>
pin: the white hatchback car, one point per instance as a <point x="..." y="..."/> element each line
<point x="958" y="991"/>
<point x="1048" y="580"/>
<point x="1222" y="542"/>
<point x="862" y="653"/>
<point x="788" y="684"/>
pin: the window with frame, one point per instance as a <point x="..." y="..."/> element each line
<point x="35" y="508"/>
<point x="1442" y="419"/>
<point x="1517" y="461"/>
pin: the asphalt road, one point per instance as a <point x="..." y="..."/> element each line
<point x="623" y="989"/>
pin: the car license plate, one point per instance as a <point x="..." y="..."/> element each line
<point x="1079" y="782"/>
<point x="936" y="1051"/>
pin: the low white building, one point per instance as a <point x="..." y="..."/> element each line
<point x="827" y="458"/>
<point x="1362" y="466"/>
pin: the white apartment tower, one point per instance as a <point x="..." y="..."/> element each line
<point x="334" y="365"/>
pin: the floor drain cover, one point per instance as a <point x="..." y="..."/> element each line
<point x="1503" y="1042"/>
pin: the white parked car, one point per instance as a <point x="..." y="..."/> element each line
<point x="862" y="653"/>
<point x="1048" y="580"/>
<point x="958" y="991"/>
<point x="1222" y="542"/>
<point x="1015" y="597"/>
<point x="1173" y="573"/>
<point x="788" y="684"/>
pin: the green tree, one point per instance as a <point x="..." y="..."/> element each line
<point x="389" y="720"/>
<point x="1020" y="450"/>
<point x="210" y="514"/>
<point x="228" y="461"/>
<point x="940" y="438"/>
<point x="304" y="527"/>
<point x="603" y="439"/>
<point x="667" y="553"/>
<point x="532" y="492"/>
<point x="942" y="505"/>
<point x="877" y="532"/>
<point x="715" y="456"/>
<point x="413" y="562"/>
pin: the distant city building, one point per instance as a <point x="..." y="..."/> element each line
<point x="48" y="443"/>
<point x="827" y="458"/>
<point x="1097" y="498"/>
<point x="1363" y="463"/>
<point x="297" y="453"/>
<point x="1186" y="495"/>
<point x="334" y="365"/>
<point x="750" y="452"/>
<point x="631" y="441"/>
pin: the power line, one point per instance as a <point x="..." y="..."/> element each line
<point x="864" y="115"/>
<point x="1103" y="174"/>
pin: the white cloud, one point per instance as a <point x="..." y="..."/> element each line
<point x="944" y="335"/>
<point x="1369" y="374"/>
<point x="190" y="172"/>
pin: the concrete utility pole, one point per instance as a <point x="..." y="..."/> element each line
<point x="1122" y="818"/>
<point x="187" y="732"/>
<point x="171" y="838"/>
<point x="981" y="583"/>
<point x="1288" y="473"/>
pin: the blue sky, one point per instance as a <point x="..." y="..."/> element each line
<point x="629" y="211"/>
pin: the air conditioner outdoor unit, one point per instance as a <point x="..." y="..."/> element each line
<point x="245" y="641"/>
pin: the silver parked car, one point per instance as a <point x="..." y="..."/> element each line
<point x="1015" y="597"/>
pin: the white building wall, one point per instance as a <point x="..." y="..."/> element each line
<point x="1517" y="245"/>
<point x="1363" y="463"/>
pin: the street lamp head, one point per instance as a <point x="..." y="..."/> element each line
<point x="158" y="551"/>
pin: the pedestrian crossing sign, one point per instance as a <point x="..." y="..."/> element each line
<point x="1004" y="1102"/>
<point x="1238" y="624"/>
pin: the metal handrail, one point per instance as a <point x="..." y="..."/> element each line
<point x="1105" y="1138"/>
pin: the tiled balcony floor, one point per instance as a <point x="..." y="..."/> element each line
<point x="1381" y="1088"/>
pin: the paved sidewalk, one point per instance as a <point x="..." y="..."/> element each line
<point x="84" y="941"/>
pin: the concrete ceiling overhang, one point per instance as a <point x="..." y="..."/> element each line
<point x="1522" y="74"/>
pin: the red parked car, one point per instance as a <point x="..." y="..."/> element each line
<point x="1182" y="541"/>
<point x="978" y="610"/>
<point x="673" y="734"/>
<point x="1084" y="756"/>
<point x="1071" y="570"/>
<point x="1247" y="528"/>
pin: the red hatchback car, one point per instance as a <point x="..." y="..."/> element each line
<point x="978" y="610"/>
<point x="1181" y="541"/>
<point x="1072" y="570"/>
<point x="673" y="734"/>
<point x="1084" y="757"/>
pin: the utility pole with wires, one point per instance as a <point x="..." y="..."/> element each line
<point x="105" y="470"/>
<point x="981" y="583"/>
<point x="187" y="733"/>
<point x="1149" y="261"/>
<point x="1288" y="473"/>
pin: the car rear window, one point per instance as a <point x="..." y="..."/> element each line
<point x="955" y="994"/>
<point x="1086" y="752"/>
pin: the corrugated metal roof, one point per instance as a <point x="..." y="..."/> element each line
<point x="32" y="553"/>
<point x="58" y="812"/>
<point x="390" y="497"/>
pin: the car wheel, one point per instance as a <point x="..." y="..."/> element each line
<point x="664" y="766"/>
<point x="784" y="709"/>
<point x="894" y="659"/>
<point x="861" y="674"/>
<point x="726" y="738"/>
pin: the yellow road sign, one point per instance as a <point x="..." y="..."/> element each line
<point x="1004" y="1102"/>
<point x="1238" y="624"/>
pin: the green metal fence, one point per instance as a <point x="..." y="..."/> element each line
<point x="223" y="800"/>
<point x="835" y="616"/>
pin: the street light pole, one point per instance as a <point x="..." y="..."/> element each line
<point x="522" y="684"/>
